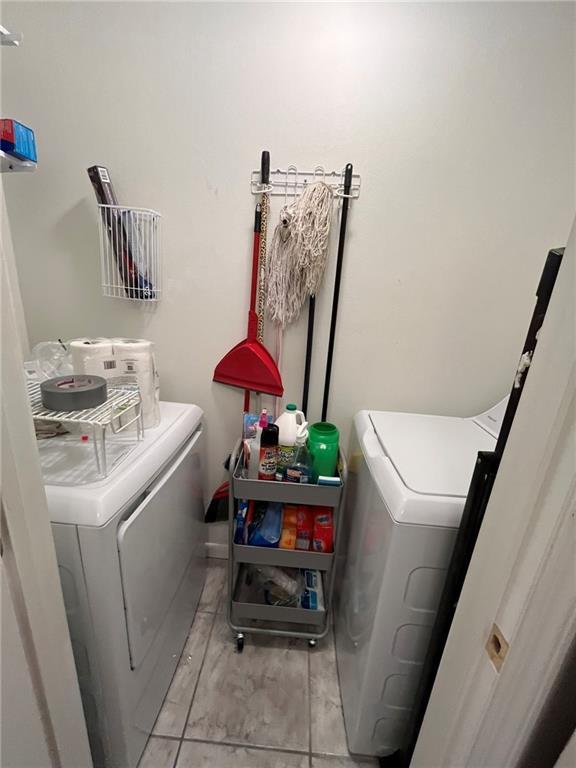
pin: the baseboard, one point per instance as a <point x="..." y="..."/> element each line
<point x="214" y="549"/>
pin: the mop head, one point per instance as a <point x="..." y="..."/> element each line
<point x="298" y="254"/>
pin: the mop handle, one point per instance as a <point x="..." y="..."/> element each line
<point x="264" y="180"/>
<point x="340" y="258"/>
<point x="252" y="317"/>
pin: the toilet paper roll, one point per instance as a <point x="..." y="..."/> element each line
<point x="93" y="356"/>
<point x="135" y="358"/>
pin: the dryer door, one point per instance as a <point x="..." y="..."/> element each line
<point x="156" y="545"/>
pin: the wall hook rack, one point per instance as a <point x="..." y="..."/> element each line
<point x="290" y="182"/>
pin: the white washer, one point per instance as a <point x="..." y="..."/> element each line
<point x="408" y="479"/>
<point x="131" y="554"/>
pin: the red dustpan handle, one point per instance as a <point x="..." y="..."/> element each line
<point x="249" y="365"/>
<point x="252" y="316"/>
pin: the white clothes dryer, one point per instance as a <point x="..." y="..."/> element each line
<point x="131" y="555"/>
<point x="408" y="480"/>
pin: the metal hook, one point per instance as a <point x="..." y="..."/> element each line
<point x="289" y="170"/>
<point x="339" y="191"/>
<point x="322" y="171"/>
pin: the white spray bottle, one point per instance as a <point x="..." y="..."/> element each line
<point x="255" y="446"/>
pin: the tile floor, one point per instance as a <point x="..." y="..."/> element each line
<point x="276" y="705"/>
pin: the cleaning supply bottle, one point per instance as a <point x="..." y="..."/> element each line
<point x="301" y="468"/>
<point x="288" y="423"/>
<point x="268" y="453"/>
<point x="323" y="445"/>
<point x="255" y="446"/>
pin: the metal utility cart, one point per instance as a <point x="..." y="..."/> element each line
<point x="259" y="617"/>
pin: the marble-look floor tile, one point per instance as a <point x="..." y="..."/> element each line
<point x="343" y="762"/>
<point x="195" y="754"/>
<point x="224" y="591"/>
<point x="214" y="586"/>
<point x="172" y="717"/>
<point x="258" y="697"/>
<point x="327" y="720"/>
<point x="159" y="753"/>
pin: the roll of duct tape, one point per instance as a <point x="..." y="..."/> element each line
<point x="73" y="393"/>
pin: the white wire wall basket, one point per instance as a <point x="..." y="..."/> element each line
<point x="130" y="253"/>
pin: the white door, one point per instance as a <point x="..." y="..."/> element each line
<point x="40" y="693"/>
<point x="521" y="577"/>
<point x="22" y="736"/>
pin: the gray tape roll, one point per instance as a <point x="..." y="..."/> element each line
<point x="73" y="393"/>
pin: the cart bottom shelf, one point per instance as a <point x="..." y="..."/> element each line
<point x="245" y="611"/>
<point x="249" y="603"/>
<point x="280" y="628"/>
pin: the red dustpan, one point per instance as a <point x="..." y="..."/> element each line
<point x="249" y="365"/>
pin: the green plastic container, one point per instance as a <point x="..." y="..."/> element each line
<point x="323" y="439"/>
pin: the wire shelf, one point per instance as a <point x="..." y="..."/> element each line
<point x="122" y="409"/>
<point x="130" y="253"/>
<point x="11" y="164"/>
<point x="290" y="182"/>
<point x="120" y="400"/>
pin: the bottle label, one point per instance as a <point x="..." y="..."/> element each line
<point x="286" y="454"/>
<point x="267" y="466"/>
<point x="293" y="475"/>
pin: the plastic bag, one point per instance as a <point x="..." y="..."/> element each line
<point x="51" y="359"/>
<point x="267" y="532"/>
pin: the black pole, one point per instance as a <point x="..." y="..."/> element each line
<point x="340" y="258"/>
<point x="308" y="363"/>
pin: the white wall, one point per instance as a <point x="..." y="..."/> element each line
<point x="460" y="118"/>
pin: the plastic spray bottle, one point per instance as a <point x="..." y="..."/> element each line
<point x="301" y="468"/>
<point x="255" y="446"/>
<point x="268" y="453"/>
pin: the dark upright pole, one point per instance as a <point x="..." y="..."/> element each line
<point x="339" y="260"/>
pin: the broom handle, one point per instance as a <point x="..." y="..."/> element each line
<point x="340" y="258"/>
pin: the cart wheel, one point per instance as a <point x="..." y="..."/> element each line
<point x="312" y="643"/>
<point x="239" y="643"/>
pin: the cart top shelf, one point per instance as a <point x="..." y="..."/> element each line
<point x="287" y="493"/>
